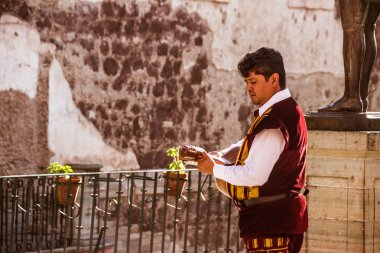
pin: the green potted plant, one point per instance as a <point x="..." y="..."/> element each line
<point x="66" y="186"/>
<point x="177" y="176"/>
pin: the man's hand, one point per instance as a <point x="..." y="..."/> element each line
<point x="206" y="165"/>
<point x="215" y="153"/>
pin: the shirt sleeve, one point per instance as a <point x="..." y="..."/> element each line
<point x="263" y="154"/>
<point x="237" y="144"/>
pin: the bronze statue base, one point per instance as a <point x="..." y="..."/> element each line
<point x="343" y="121"/>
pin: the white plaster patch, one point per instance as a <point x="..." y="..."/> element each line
<point x="19" y="48"/>
<point x="71" y="137"/>
<point x="309" y="38"/>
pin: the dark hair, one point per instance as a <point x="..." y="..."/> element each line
<point x="266" y="62"/>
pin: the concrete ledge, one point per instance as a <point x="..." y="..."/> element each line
<point x="341" y="121"/>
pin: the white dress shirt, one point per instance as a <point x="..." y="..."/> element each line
<point x="263" y="154"/>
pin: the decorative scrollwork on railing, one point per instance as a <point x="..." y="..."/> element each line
<point x="113" y="203"/>
<point x="177" y="206"/>
<point x="30" y="211"/>
<point x="148" y="201"/>
<point x="76" y="206"/>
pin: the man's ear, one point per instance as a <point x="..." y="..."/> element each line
<point x="275" y="79"/>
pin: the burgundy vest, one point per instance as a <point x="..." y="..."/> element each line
<point x="288" y="176"/>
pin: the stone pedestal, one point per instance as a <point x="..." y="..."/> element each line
<point x="343" y="175"/>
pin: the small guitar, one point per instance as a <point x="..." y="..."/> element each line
<point x="191" y="154"/>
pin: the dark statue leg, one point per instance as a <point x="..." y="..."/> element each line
<point x="372" y="13"/>
<point x="352" y="53"/>
<point x="353" y="49"/>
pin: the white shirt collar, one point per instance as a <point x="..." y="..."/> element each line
<point x="279" y="96"/>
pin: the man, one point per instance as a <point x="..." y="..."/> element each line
<point x="359" y="52"/>
<point x="267" y="180"/>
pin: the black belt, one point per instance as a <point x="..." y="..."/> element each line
<point x="255" y="201"/>
<point x="260" y="200"/>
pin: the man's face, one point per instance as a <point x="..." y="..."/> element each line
<point x="259" y="89"/>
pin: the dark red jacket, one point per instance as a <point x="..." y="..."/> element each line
<point x="288" y="176"/>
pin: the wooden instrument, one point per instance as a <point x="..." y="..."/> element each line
<point x="192" y="154"/>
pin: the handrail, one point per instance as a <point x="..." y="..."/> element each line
<point x="94" y="173"/>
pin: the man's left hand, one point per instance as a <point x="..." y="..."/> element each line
<point x="206" y="165"/>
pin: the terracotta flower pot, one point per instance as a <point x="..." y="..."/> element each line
<point x="176" y="183"/>
<point x="64" y="185"/>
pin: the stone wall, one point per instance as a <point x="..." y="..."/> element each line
<point x="118" y="82"/>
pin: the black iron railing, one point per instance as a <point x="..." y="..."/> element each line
<point x="127" y="211"/>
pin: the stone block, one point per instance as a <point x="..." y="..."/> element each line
<point x="321" y="139"/>
<point x="343" y="140"/>
<point x="333" y="235"/>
